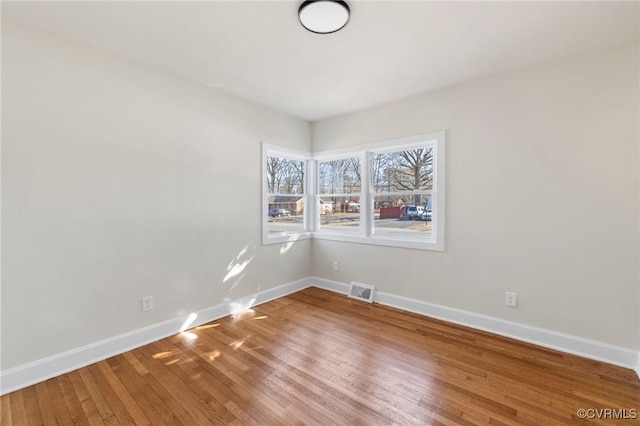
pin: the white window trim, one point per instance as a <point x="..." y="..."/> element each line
<point x="290" y="154"/>
<point x="365" y="236"/>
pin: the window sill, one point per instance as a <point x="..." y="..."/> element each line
<point x="385" y="241"/>
<point x="286" y="238"/>
<point x="379" y="240"/>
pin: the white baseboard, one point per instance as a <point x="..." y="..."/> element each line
<point x="575" y="345"/>
<point x="44" y="369"/>
<point x="335" y="286"/>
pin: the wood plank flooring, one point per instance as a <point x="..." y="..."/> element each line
<point x="319" y="358"/>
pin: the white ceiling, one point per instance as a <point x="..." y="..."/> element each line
<point x="389" y="50"/>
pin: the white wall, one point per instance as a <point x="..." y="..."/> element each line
<point x="542" y="198"/>
<point x="120" y="182"/>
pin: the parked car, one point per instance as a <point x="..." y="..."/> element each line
<point x="279" y="212"/>
<point x="415" y="212"/>
<point x="426" y="215"/>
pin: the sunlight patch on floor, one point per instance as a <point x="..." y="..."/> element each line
<point x="240" y="310"/>
<point x="205" y="326"/>
<point x="213" y="355"/>
<point x="236" y="344"/>
<point x="189" y="336"/>
<point x="165" y="354"/>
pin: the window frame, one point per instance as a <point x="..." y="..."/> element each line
<point x="437" y="193"/>
<point x="317" y="229"/>
<point x="271" y="150"/>
<point x="366" y="235"/>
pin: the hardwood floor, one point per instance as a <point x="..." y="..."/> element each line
<point x="316" y="357"/>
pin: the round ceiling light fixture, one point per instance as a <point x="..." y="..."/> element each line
<point x="323" y="16"/>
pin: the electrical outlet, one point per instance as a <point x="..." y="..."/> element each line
<point x="147" y="303"/>
<point x="511" y="299"/>
<point x="336" y="266"/>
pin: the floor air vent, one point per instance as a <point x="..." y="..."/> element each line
<point x="361" y="291"/>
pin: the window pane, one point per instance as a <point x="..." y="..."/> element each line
<point x="402" y="215"/>
<point x="339" y="176"/>
<point x="286" y="214"/>
<point x="403" y="170"/>
<point x="285" y="176"/>
<point x="339" y="214"/>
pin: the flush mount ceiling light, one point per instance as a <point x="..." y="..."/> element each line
<point x="323" y="16"/>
